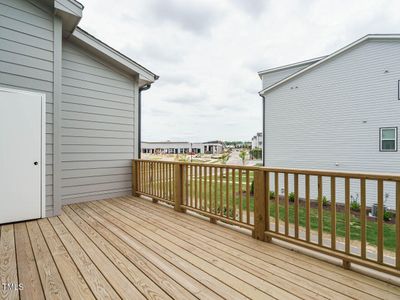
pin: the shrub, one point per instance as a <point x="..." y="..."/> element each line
<point x="271" y="195"/>
<point x="291" y="197"/>
<point x="256" y="153"/>
<point x="325" y="201"/>
<point x="355" y="205"/>
<point x="387" y="215"/>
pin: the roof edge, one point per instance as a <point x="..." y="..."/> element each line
<point x="328" y="57"/>
<point x="296" y="64"/>
<point x="113" y="54"/>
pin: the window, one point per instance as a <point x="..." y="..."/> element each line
<point x="388" y="139"/>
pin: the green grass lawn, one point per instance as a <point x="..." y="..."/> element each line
<point x="217" y="192"/>
<point x="355" y="228"/>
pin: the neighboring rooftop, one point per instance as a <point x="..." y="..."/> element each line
<point x="320" y="60"/>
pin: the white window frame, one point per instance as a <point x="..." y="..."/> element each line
<point x="381" y="139"/>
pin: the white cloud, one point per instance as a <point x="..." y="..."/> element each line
<point x="208" y="53"/>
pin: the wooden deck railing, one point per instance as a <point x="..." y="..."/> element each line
<point x="285" y="204"/>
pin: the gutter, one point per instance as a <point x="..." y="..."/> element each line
<point x="139" y="146"/>
<point x="263" y="129"/>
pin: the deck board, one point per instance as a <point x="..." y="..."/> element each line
<point x="132" y="248"/>
<point x="27" y="269"/>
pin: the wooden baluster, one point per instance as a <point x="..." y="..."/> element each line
<point x="240" y="196"/>
<point x="363" y="217"/>
<point x="152" y="178"/>
<point x="191" y="185"/>
<point x="205" y="189"/>
<point x="267" y="208"/>
<point x="141" y="176"/>
<point x="163" y="181"/>
<point x="296" y="205"/>
<point x="171" y="182"/>
<point x="186" y="176"/>
<point x="286" y="194"/>
<point x="195" y="187"/>
<point x="398" y="225"/>
<point x="307" y="207"/>
<point x="380" y="221"/>
<point x="347" y="214"/>
<point x="227" y="192"/>
<point x="215" y="189"/>
<point x="200" y="186"/>
<point x="221" y="179"/>
<point x="276" y="202"/>
<point x="157" y="183"/>
<point x="234" y="192"/>
<point x="259" y="205"/>
<point x="209" y="187"/>
<point x="333" y="212"/>
<point x="247" y="196"/>
<point x="320" y="212"/>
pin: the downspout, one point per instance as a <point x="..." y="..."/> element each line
<point x="139" y="146"/>
<point x="263" y="129"/>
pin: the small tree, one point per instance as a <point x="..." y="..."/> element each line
<point x="224" y="158"/>
<point x="242" y="156"/>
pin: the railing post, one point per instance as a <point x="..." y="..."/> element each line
<point x="135" y="178"/>
<point x="259" y="205"/>
<point x="178" y="187"/>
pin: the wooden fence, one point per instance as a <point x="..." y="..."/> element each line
<point x="251" y="197"/>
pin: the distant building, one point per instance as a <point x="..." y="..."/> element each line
<point x="169" y="147"/>
<point x="213" y="147"/>
<point x="257" y="141"/>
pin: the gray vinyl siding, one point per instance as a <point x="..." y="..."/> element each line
<point x="332" y="114"/>
<point x="273" y="77"/>
<point x="26" y="62"/>
<point x="97" y="128"/>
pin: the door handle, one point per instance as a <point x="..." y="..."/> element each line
<point x="35" y="163"/>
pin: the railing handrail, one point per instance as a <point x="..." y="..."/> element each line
<point x="181" y="184"/>
<point x="313" y="172"/>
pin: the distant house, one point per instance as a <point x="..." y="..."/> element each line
<point x="170" y="147"/>
<point x="257" y="141"/>
<point x="337" y="112"/>
<point x="69" y="111"/>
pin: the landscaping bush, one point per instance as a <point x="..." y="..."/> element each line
<point x="256" y="153"/>
<point x="355" y="205"/>
<point x="291" y="197"/>
<point x="325" y="201"/>
<point x="271" y="195"/>
<point x="387" y="216"/>
<point x="252" y="188"/>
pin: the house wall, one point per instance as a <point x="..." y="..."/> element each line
<point x="26" y="62"/>
<point x="97" y="127"/>
<point x="273" y="77"/>
<point x="332" y="115"/>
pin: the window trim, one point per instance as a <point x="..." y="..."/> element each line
<point x="395" y="139"/>
<point x="398" y="89"/>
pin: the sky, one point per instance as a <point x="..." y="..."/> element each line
<point x="208" y="52"/>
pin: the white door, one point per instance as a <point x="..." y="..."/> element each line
<point x="20" y="156"/>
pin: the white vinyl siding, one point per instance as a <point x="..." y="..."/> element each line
<point x="331" y="120"/>
<point x="97" y="134"/>
<point x="271" y="78"/>
<point x="26" y="63"/>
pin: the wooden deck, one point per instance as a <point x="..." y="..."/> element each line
<point x="132" y="248"/>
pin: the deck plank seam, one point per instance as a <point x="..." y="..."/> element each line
<point x="219" y="237"/>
